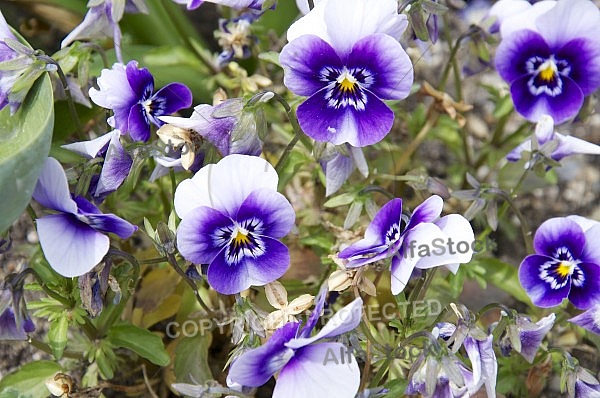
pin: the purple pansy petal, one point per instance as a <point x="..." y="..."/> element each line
<point x="302" y="59"/>
<point x="337" y="170"/>
<point x="591" y="251"/>
<point x="8" y="327"/>
<point x="109" y="223"/>
<point x="137" y="124"/>
<point x="225" y="185"/>
<point x="92" y="148"/>
<point x="389" y="63"/>
<point x="195" y="234"/>
<point x="532" y="338"/>
<point x="559" y="232"/>
<point x="229" y="278"/>
<point x="589" y="319"/>
<point x="561" y="107"/>
<point x="52" y="188"/>
<point x="71" y="247"/>
<point x="255" y="367"/>
<point x="584" y="56"/>
<point x="428" y="211"/>
<point x="343" y="321"/>
<point x="176" y="96"/>
<point x="140" y="80"/>
<point x="114" y="90"/>
<point x="313" y="372"/>
<point x="483" y="359"/>
<point x="115" y="169"/>
<point x="585" y="390"/>
<point x="513" y="53"/>
<point x="569" y="145"/>
<point x="540" y="291"/>
<point x="568" y="19"/>
<point x="275" y="212"/>
<point x="316" y="312"/>
<point x="97" y="24"/>
<point x="345" y="124"/>
<point x="584" y="295"/>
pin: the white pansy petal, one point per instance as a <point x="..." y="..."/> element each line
<point x="525" y="19"/>
<point x="91" y="148"/>
<point x="568" y="20"/>
<point x="52" y="188"/>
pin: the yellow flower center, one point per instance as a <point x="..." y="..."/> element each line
<point x="347" y="82"/>
<point x="548" y="71"/>
<point x="240" y="238"/>
<point x="565" y="268"/>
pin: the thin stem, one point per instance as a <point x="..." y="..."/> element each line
<point x="173" y="262"/>
<point x="431" y="119"/>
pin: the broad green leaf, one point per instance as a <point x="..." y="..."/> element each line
<point x="24" y="145"/>
<point x="141" y="341"/>
<point x="191" y="359"/>
<point x="28" y="380"/>
<point x="504" y="276"/>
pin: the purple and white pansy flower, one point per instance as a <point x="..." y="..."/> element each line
<point x="423" y="240"/>
<point x="566" y="263"/>
<point x="129" y="91"/>
<point x="73" y="239"/>
<point x="566" y="145"/>
<point x="344" y="55"/>
<point x="231" y="219"/>
<point x="306" y="366"/>
<point x="550" y="56"/>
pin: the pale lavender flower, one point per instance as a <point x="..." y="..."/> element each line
<point x="236" y="4"/>
<point x="339" y="163"/>
<point x="231" y="218"/>
<point x="590" y="319"/>
<point x="525" y="336"/>
<point x="344" y="55"/>
<point x="422" y="241"/>
<point x="74" y="239"/>
<point x="102" y="21"/>
<point x="550" y="56"/>
<point x="129" y="92"/>
<point x="564" y="145"/>
<point x="15" y="322"/>
<point x="307" y="367"/>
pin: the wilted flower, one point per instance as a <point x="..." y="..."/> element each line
<point x="129" y="92"/>
<point x="102" y="21"/>
<point x="566" y="264"/>
<point x="285" y="313"/>
<point x="345" y="56"/>
<point x="416" y="242"/>
<point x="330" y="367"/>
<point x="15" y="322"/>
<point x="232" y="217"/>
<point x="74" y="239"/>
<point x="525" y="336"/>
<point x="235" y="37"/>
<point x="551" y="144"/>
<point x="549" y="56"/>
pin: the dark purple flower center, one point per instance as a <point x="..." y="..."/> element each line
<point x="563" y="269"/>
<point x="241" y="239"/>
<point x="345" y="87"/>
<point x="546" y="75"/>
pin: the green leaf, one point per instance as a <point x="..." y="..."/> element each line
<point x="28" y="380"/>
<point x="57" y="334"/>
<point x="24" y="145"/>
<point x="191" y="359"/>
<point x="341" y="200"/>
<point x="504" y="276"/>
<point x="141" y="341"/>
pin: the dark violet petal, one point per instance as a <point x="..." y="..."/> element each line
<point x="557" y="233"/>
<point x="71" y="247"/>
<point x="264" y="268"/>
<point x="561" y="107"/>
<point x="195" y="234"/>
<point x="8" y="327"/>
<point x="273" y="210"/>
<point x="514" y="51"/>
<point x="171" y="98"/>
<point x="52" y="188"/>
<point x="589" y="319"/>
<point x="140" y="80"/>
<point x="316" y="312"/>
<point x="428" y="211"/>
<point x="539" y="291"/>
<point x="137" y="123"/>
<point x="303" y="59"/>
<point x="583" y="56"/>
<point x="585" y="288"/>
<point x="115" y="169"/>
<point x="84" y="206"/>
<point x="255" y="367"/>
<point x="385" y="58"/>
<point x="345" y="124"/>
<point x="319" y="370"/>
<point x="110" y="223"/>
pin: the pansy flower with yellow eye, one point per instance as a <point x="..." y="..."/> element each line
<point x="344" y="55"/>
<point x="550" y="56"/>
<point x="566" y="263"/>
